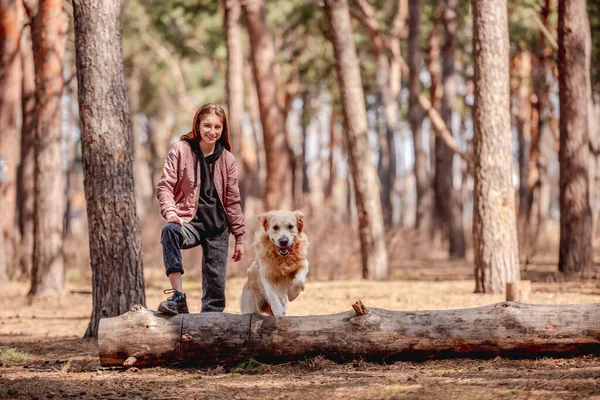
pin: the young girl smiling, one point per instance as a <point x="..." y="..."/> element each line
<point x="199" y="197"/>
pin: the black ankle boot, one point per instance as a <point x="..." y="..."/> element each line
<point x="175" y="304"/>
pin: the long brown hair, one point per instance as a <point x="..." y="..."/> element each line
<point x="206" y="109"/>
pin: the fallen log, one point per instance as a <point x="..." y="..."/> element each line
<point x="146" y="338"/>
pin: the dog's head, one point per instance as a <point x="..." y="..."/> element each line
<point x="282" y="227"/>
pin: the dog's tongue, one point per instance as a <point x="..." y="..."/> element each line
<point x="287" y="249"/>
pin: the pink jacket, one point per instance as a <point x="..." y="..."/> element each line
<point x="176" y="193"/>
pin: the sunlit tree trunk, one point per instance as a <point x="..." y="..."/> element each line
<point x="576" y="253"/>
<point x="49" y="38"/>
<point x="447" y="200"/>
<point x="364" y="174"/>
<point x="10" y="100"/>
<point x="494" y="224"/>
<point x="26" y="171"/>
<point x="388" y="89"/>
<point x="415" y="116"/>
<point x="278" y="190"/>
<point x="235" y="84"/>
<point x="107" y="152"/>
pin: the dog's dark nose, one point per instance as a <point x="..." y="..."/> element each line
<point x="284" y="242"/>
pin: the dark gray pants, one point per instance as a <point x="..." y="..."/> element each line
<point x="174" y="238"/>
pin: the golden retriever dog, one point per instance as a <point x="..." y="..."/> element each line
<point x="280" y="269"/>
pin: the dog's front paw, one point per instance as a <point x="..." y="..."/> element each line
<point x="278" y="311"/>
<point x="295" y="290"/>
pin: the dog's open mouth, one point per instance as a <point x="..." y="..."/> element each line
<point x="285" y="250"/>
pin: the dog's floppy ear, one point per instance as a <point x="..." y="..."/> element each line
<point x="264" y="220"/>
<point x="299" y="220"/>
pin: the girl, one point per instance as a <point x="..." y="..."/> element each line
<point x="200" y="199"/>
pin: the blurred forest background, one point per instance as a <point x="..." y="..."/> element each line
<point x="272" y="65"/>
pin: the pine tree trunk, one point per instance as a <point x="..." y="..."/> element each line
<point x="537" y="179"/>
<point x="278" y="190"/>
<point x="49" y="38"/>
<point x="144" y="188"/>
<point x="448" y="203"/>
<point x="494" y="224"/>
<point x="10" y="100"/>
<point x="364" y="175"/>
<point x="26" y="173"/>
<point x="576" y="253"/>
<point x="594" y="124"/>
<point x="524" y="127"/>
<point x="415" y="116"/>
<point x="235" y="84"/>
<point x="107" y="152"/>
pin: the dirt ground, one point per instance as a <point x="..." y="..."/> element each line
<point x="43" y="355"/>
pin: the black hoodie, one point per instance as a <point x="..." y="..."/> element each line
<point x="210" y="219"/>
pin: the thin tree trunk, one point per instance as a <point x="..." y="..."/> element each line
<point x="364" y="174"/>
<point x="25" y="195"/>
<point x="388" y="89"/>
<point x="494" y="224"/>
<point x="332" y="159"/>
<point x="594" y="124"/>
<point x="107" y="152"/>
<point x="537" y="179"/>
<point x="160" y="130"/>
<point x="576" y="255"/>
<point x="49" y="38"/>
<point x="523" y="126"/>
<point x="448" y="203"/>
<point x="10" y="100"/>
<point x="144" y="188"/>
<point x="257" y="162"/>
<point x="415" y="116"/>
<point x="278" y="193"/>
<point x="235" y="85"/>
<point x="435" y="93"/>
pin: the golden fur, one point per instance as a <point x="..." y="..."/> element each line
<point x="284" y="275"/>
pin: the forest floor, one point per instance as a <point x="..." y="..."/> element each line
<point x="43" y="355"/>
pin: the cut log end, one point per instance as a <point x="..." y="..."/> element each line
<point x="359" y="308"/>
<point x="137" y="307"/>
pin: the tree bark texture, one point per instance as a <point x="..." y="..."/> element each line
<point x="503" y="329"/>
<point x="576" y="253"/>
<point x="494" y="224"/>
<point x="415" y="117"/>
<point x="10" y="100"/>
<point x="107" y="152"/>
<point x="278" y="187"/>
<point x="26" y="172"/>
<point x="49" y="39"/>
<point x="362" y="169"/>
<point x="447" y="199"/>
<point x="235" y="82"/>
